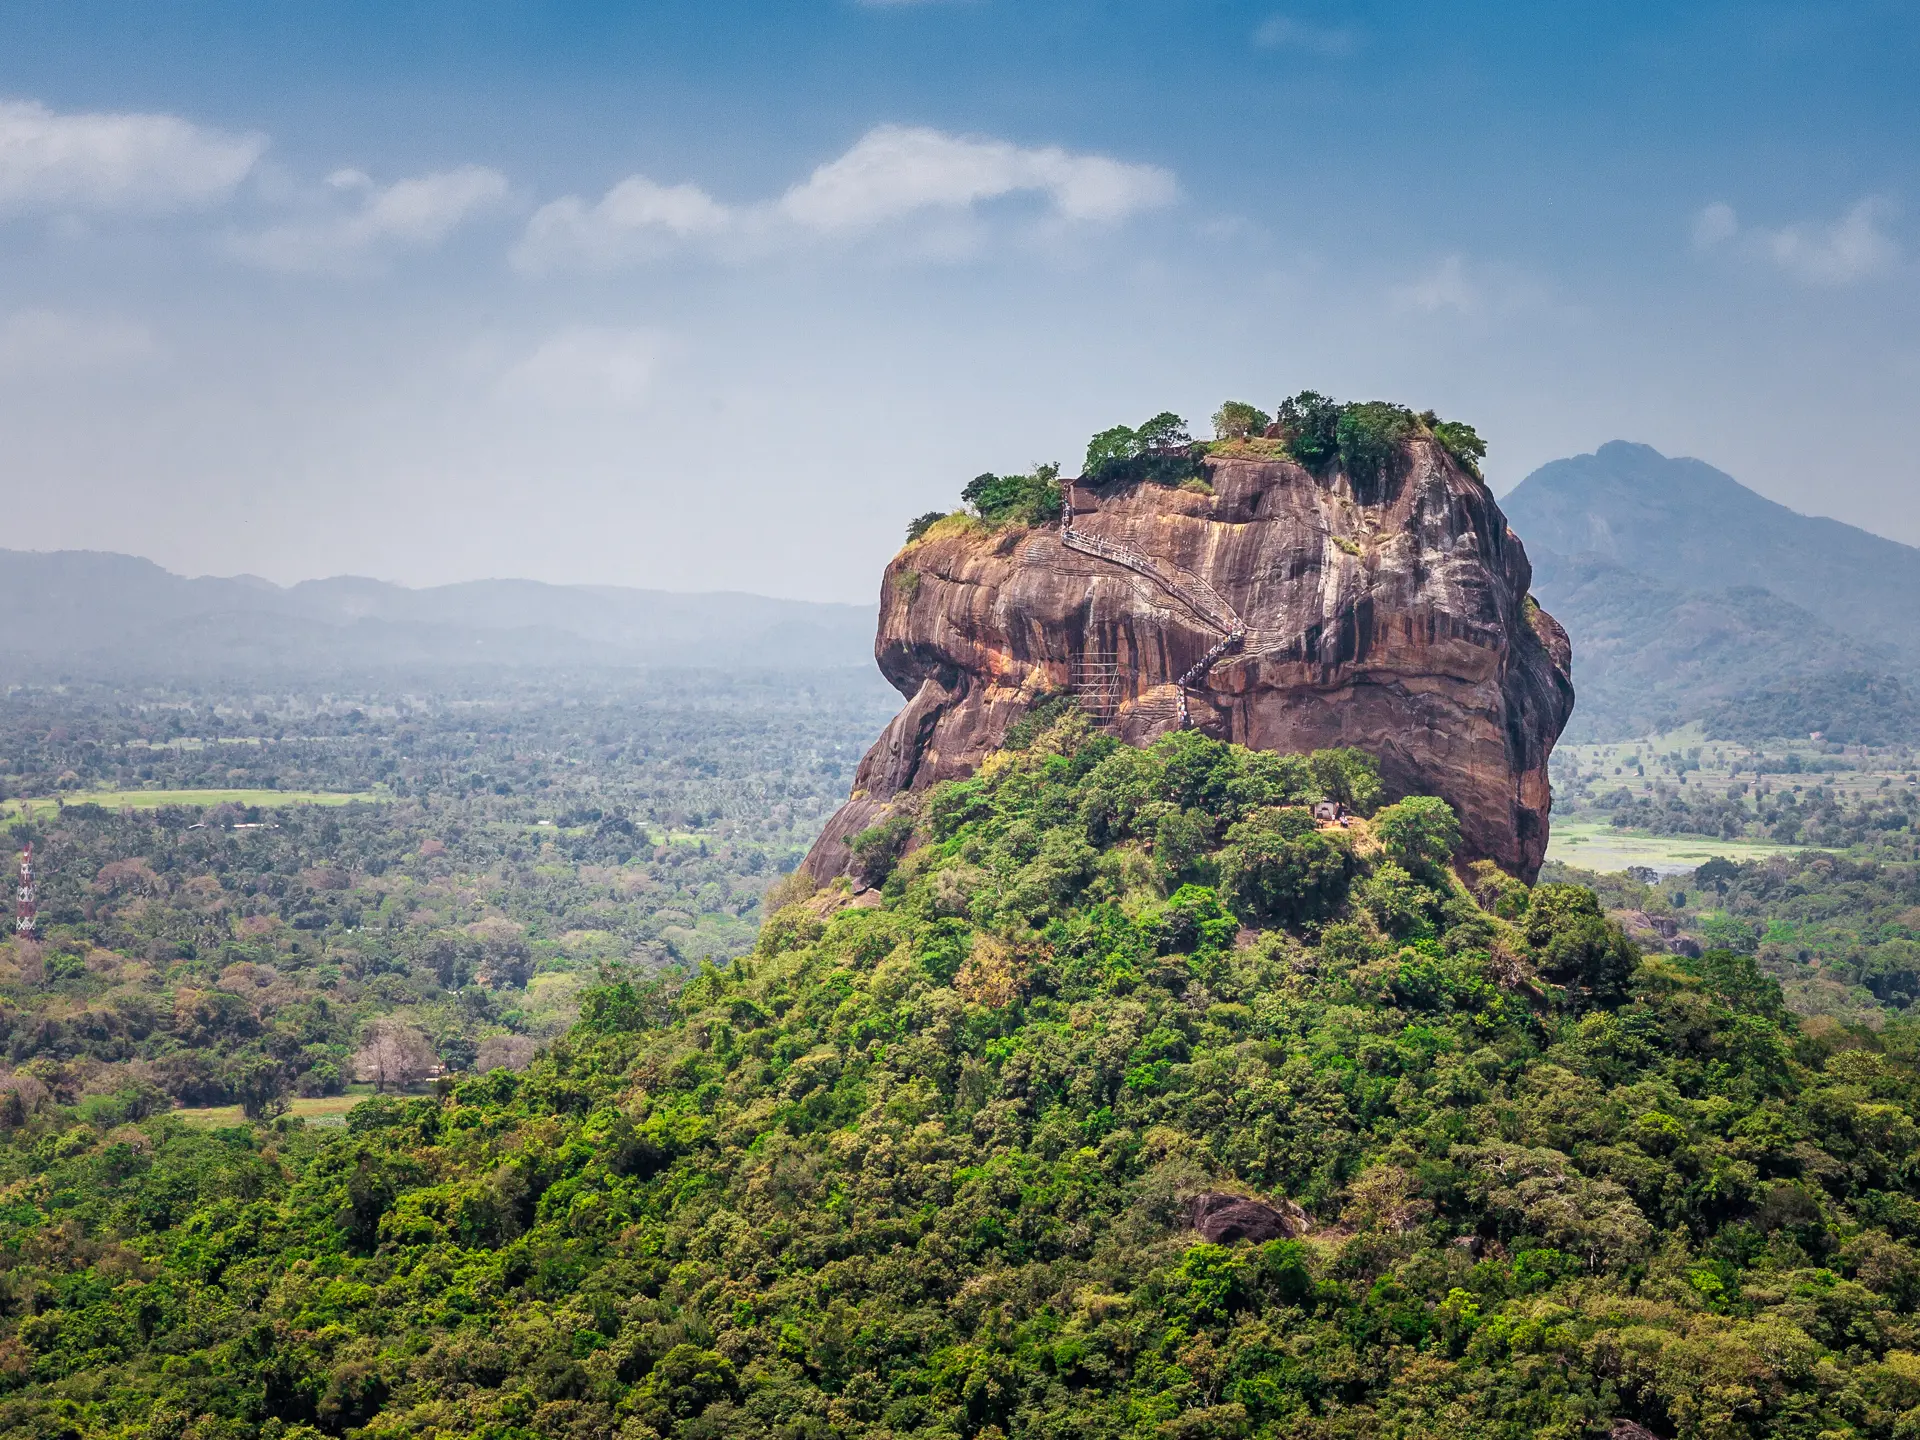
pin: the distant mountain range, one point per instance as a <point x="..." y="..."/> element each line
<point x="1687" y="595"/>
<point x="96" y="615"/>
<point x="1690" y="597"/>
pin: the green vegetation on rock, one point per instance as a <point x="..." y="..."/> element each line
<point x="1366" y="437"/>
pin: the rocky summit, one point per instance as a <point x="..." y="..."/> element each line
<point x="1303" y="608"/>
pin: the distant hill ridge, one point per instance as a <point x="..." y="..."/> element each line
<point x="98" y="613"/>
<point x="1689" y="596"/>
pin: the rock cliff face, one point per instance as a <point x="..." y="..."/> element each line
<point x="1392" y="615"/>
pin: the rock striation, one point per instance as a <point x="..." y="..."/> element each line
<point x="1391" y="614"/>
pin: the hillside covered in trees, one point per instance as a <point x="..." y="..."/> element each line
<point x="929" y="1165"/>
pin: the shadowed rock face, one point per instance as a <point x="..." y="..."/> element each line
<point x="1392" y="616"/>
<point x="1223" y="1219"/>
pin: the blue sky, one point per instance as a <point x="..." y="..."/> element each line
<point x="718" y="295"/>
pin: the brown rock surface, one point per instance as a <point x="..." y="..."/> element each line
<point x="1391" y="616"/>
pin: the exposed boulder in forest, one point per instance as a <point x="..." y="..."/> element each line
<point x="1383" y="605"/>
<point x="1223" y="1219"/>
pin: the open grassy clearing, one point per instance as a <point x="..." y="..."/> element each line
<point x="1596" y="845"/>
<point x="154" y="799"/>
<point x="321" y="1110"/>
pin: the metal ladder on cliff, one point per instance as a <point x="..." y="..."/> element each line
<point x="1194" y="592"/>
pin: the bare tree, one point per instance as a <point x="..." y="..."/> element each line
<point x="505" y="1052"/>
<point x="395" y="1054"/>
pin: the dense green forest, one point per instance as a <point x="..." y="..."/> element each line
<point x="930" y="1166"/>
<point x="1840" y="932"/>
<point x="512" y="842"/>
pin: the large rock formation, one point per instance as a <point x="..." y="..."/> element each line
<point x="1392" y="615"/>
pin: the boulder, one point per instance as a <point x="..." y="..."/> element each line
<point x="1223" y="1219"/>
<point x="1392" y="615"/>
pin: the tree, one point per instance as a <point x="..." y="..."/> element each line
<point x="1236" y="420"/>
<point x="1165" y="431"/>
<point x="1161" y="451"/>
<point x="1016" y="499"/>
<point x="505" y="1052"/>
<point x="1421" y="832"/>
<point x="1575" y="945"/>
<point x="1310" y="425"/>
<point x="1369" y="436"/>
<point x="878" y="849"/>
<point x="1267" y="778"/>
<point x="1348" y="776"/>
<point x="1110" y="447"/>
<point x="395" y="1054"/>
<point x="1278" y="869"/>
<point x="260" y="1084"/>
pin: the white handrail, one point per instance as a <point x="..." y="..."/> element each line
<point x="1200" y="597"/>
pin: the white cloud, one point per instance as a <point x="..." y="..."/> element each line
<point x="1851" y="248"/>
<point x="893" y="173"/>
<point x="1444" y="287"/>
<point x="895" y="170"/>
<point x="587" y="367"/>
<point x="413" y="214"/>
<point x="100" y="161"/>
<point x="44" y="342"/>
<point x="635" y="220"/>
<point x="1478" y="290"/>
<point x="1282" y="32"/>
<point x="1714" y="225"/>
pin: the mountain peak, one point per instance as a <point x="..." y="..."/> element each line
<point x="1620" y="452"/>
<point x="1646" y="555"/>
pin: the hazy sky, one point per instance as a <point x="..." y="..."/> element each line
<point x="718" y="295"/>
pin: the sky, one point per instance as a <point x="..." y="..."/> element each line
<point x="718" y="295"/>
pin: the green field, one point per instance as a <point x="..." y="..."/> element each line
<point x="154" y="799"/>
<point x="1596" y="845"/>
<point x="322" y="1110"/>
<point x="1869" y="771"/>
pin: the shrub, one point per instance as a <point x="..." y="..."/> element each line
<point x="1459" y="440"/>
<point x="923" y="523"/>
<point x="878" y="849"/>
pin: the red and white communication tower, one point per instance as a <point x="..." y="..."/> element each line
<point x="25" y="917"/>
